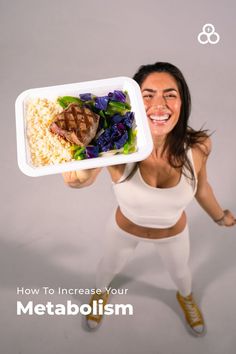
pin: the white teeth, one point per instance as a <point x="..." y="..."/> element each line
<point x="158" y="118"/>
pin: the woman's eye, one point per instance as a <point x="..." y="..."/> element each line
<point x="170" y="95"/>
<point x="147" y="97"/>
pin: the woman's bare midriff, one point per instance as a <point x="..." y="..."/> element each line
<point x="148" y="232"/>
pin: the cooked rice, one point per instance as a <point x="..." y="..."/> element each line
<point x="45" y="147"/>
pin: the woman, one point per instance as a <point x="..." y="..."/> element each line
<point x="153" y="194"/>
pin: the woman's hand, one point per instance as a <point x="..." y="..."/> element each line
<point x="82" y="178"/>
<point x="227" y="220"/>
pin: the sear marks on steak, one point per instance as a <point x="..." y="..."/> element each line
<point x="77" y="124"/>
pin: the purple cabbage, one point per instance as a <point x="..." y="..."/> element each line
<point x="92" y="151"/>
<point x="117" y="118"/>
<point x="127" y="119"/>
<point x="117" y="95"/>
<point x="85" y="96"/>
<point x="121" y="142"/>
<point x="113" y="137"/>
<point x="104" y="140"/>
<point x="101" y="102"/>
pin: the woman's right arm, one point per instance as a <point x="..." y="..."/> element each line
<point x="84" y="178"/>
<point x="80" y="179"/>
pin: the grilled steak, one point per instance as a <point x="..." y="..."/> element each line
<point x="77" y="124"/>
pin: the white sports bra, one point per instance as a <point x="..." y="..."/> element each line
<point x="150" y="206"/>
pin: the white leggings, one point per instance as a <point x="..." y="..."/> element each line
<point x="120" y="245"/>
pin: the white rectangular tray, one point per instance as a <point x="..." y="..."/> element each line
<point x="99" y="88"/>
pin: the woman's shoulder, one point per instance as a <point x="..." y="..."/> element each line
<point x="200" y="152"/>
<point x="203" y="146"/>
<point x="200" y="141"/>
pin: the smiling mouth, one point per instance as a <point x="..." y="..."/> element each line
<point x="159" y="118"/>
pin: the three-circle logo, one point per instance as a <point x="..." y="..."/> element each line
<point x="208" y="35"/>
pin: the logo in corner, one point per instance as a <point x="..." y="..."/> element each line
<point x="208" y="35"/>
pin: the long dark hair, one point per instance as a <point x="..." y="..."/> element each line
<point x="182" y="137"/>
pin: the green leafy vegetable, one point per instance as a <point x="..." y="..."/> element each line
<point x="79" y="153"/>
<point x="130" y="145"/>
<point x="65" y="101"/>
<point x="115" y="107"/>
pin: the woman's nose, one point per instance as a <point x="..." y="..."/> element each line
<point x="159" y="101"/>
<point x="158" y="106"/>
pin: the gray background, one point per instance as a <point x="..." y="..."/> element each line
<point x="52" y="235"/>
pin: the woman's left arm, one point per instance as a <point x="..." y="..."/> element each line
<point x="207" y="200"/>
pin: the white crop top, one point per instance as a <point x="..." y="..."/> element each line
<point x="154" y="207"/>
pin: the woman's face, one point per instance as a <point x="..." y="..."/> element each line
<point x="162" y="102"/>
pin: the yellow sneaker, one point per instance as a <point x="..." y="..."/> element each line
<point x="94" y="320"/>
<point x="192" y="314"/>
